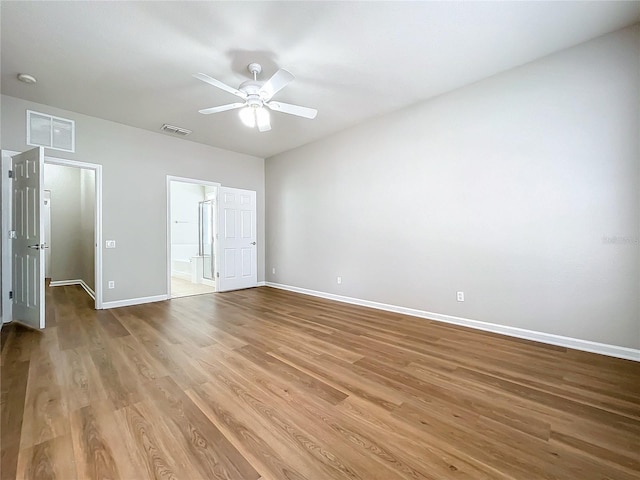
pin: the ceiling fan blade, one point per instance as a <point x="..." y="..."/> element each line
<point x="277" y="82"/>
<point x="221" y="108"/>
<point x="305" y="112"/>
<point x="263" y="119"/>
<point x="217" y="83"/>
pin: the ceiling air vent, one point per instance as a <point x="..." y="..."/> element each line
<point x="176" y="130"/>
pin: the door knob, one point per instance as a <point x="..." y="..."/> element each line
<point x="38" y="246"/>
<point x="253" y="243"/>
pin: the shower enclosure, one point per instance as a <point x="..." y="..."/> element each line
<point x="206" y="224"/>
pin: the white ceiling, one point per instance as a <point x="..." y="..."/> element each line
<point x="131" y="62"/>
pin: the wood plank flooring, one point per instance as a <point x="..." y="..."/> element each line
<point x="266" y="384"/>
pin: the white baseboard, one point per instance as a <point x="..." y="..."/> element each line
<point x="60" y="283"/>
<point x="559" y="340"/>
<point x="134" y="301"/>
<point x="261" y="284"/>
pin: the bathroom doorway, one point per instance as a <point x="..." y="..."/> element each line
<point x="192" y="237"/>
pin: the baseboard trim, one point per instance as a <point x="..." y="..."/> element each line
<point x="134" y="301"/>
<point x="261" y="284"/>
<point x="549" y="338"/>
<point x="60" y="283"/>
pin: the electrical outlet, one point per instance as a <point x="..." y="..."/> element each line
<point x="110" y="244"/>
<point x="460" y="296"/>
<point x="273" y="270"/>
<point x="111" y="284"/>
<point x="339" y="280"/>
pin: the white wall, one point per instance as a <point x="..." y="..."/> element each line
<point x="503" y="189"/>
<point x="135" y="166"/>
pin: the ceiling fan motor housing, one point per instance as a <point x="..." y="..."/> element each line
<point x="254" y="101"/>
<point x="252" y="89"/>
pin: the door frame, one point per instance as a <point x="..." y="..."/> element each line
<point x="7" y="280"/>
<point x="7" y="277"/>
<point x="173" y="178"/>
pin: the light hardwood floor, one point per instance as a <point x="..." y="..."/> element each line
<point x="267" y="384"/>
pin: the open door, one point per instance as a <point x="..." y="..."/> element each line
<point x="28" y="242"/>
<point x="237" y="258"/>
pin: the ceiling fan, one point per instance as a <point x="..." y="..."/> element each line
<point x="257" y="95"/>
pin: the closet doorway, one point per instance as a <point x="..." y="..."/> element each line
<point x="70" y="219"/>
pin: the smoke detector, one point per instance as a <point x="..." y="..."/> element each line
<point x="26" y="78"/>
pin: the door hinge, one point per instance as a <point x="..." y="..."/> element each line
<point x="217" y="274"/>
<point x="10" y="173"/>
<point x="10" y="294"/>
<point x="12" y="234"/>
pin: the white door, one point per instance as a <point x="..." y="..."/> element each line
<point x="237" y="258"/>
<point x="28" y="244"/>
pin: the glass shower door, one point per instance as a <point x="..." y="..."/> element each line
<point x="206" y="217"/>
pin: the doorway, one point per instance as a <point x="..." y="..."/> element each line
<point x="192" y="225"/>
<point x="70" y="228"/>
<point x="94" y="172"/>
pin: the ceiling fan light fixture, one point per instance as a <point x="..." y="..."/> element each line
<point x="248" y="117"/>
<point x="262" y="119"/>
<point x="255" y="115"/>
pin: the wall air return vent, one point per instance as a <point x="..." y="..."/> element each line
<point x="175" y="130"/>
